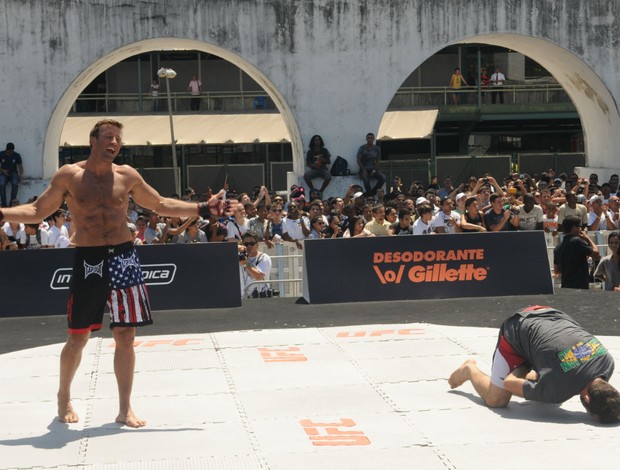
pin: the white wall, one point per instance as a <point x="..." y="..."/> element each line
<point x="332" y="66"/>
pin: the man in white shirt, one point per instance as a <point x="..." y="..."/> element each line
<point x="295" y="226"/>
<point x="447" y="220"/>
<point x="598" y="219"/>
<point x="530" y="214"/>
<point x="254" y="266"/>
<point x="58" y="235"/>
<point x="613" y="211"/>
<point x="497" y="82"/>
<point x="424" y="223"/>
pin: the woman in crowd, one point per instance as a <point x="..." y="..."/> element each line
<point x="317" y="225"/>
<point x="473" y="219"/>
<point x="333" y="230"/>
<point x="608" y="269"/>
<point x="273" y="232"/>
<point x="237" y="225"/>
<point x="471" y="184"/>
<point x="141" y="224"/>
<point x="356" y="229"/>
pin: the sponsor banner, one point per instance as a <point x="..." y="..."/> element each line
<point x="426" y="267"/>
<point x="179" y="277"/>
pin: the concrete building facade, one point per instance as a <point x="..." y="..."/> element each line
<point x="330" y="66"/>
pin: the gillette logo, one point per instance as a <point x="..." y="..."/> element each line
<point x="154" y="274"/>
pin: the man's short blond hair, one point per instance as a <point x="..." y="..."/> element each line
<point x="105" y="122"/>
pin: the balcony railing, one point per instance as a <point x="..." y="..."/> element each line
<point x="539" y="94"/>
<point x="236" y="101"/>
<point x="131" y="103"/>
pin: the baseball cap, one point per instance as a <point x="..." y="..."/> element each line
<point x="460" y="196"/>
<point x="596" y="197"/>
<point x="581" y="198"/>
<point x="358" y="194"/>
<point x="420" y="200"/>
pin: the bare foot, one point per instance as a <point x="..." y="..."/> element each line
<point x="66" y="413"/>
<point x="130" y="420"/>
<point x="461" y="375"/>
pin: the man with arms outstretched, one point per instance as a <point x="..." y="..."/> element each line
<point x="106" y="268"/>
<point x="544" y="355"/>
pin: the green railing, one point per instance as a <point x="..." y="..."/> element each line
<point x="412" y="97"/>
<point x="131" y="103"/>
<point x="239" y="101"/>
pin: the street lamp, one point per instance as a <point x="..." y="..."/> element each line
<point x="168" y="74"/>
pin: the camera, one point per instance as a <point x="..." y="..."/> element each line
<point x="265" y="294"/>
<point x="243" y="256"/>
<point x="485" y="180"/>
<point x="514" y="211"/>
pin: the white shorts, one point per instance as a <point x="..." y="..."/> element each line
<point x="505" y="360"/>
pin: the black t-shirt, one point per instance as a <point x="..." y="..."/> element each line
<point x="312" y="157"/>
<point x="572" y="257"/>
<point x="398" y="230"/>
<point x="475" y="221"/>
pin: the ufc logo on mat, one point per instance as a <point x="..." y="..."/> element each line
<point x="330" y="434"/>
<point x="289" y="354"/>
<point x="361" y="334"/>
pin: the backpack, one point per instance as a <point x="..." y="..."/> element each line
<point x="340" y="167"/>
<point x="38" y="235"/>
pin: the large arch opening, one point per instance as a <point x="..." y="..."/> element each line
<point x="89" y="75"/>
<point x="592" y="104"/>
<point x="595" y="105"/>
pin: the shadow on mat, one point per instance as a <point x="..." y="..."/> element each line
<point x="536" y="411"/>
<point x="60" y="435"/>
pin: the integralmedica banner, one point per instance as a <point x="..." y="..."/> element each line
<point x="426" y="267"/>
<point x="179" y="277"/>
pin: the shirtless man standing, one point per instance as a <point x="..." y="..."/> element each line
<point x="97" y="192"/>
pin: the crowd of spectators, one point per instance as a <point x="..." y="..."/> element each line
<point x="518" y="202"/>
<point x="443" y="207"/>
<point x="55" y="232"/>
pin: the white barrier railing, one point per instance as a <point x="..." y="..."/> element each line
<point x="286" y="268"/>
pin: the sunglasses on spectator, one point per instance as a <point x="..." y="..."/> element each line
<point x="249" y="243"/>
<point x="321" y="223"/>
<point x="276" y="210"/>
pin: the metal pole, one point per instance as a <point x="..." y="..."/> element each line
<point x="140" y="106"/>
<point x="267" y="181"/>
<point x="173" y="142"/>
<point x="478" y="80"/>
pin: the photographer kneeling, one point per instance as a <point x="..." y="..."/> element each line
<point x="254" y="266"/>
